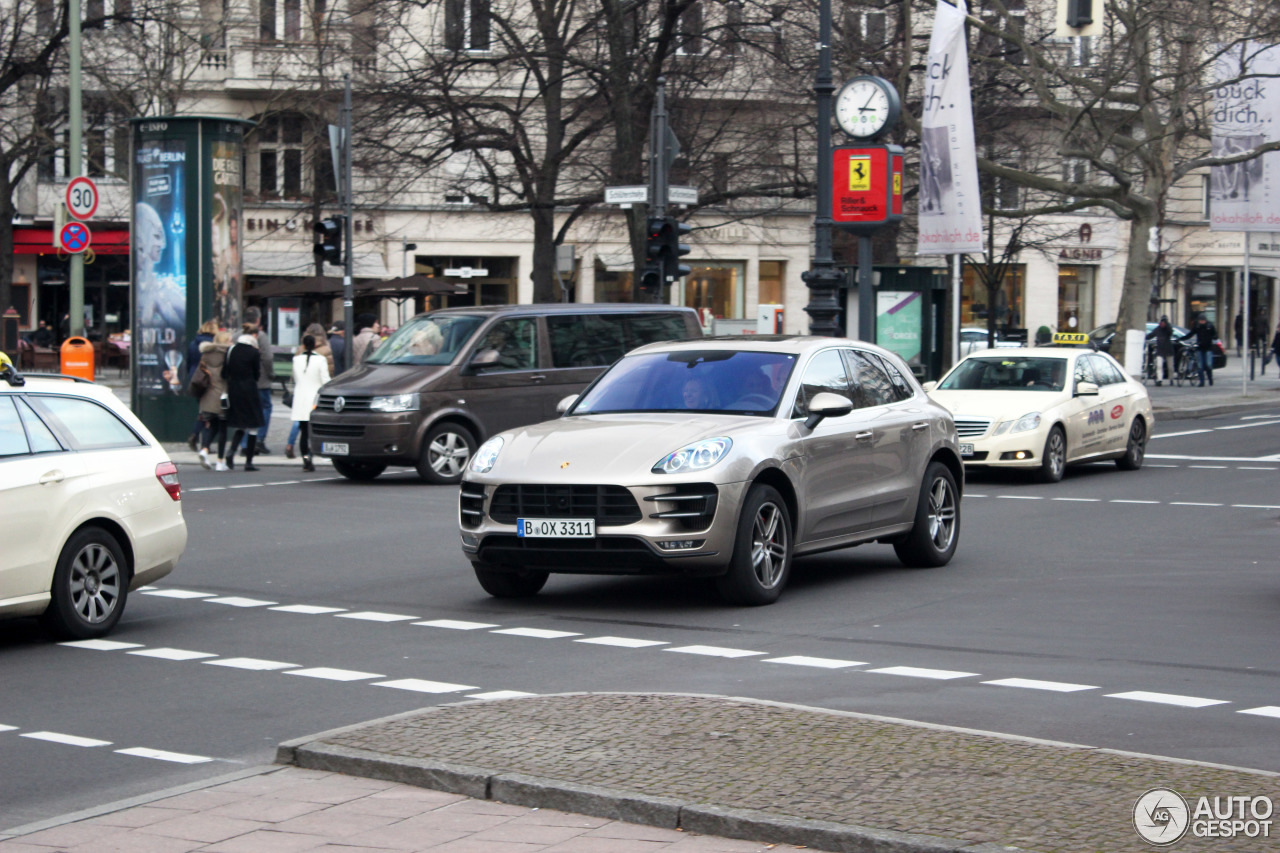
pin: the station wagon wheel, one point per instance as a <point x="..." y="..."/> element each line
<point x="1136" y="450"/>
<point x="1053" y="461"/>
<point x="761" y="561"/>
<point x="936" y="530"/>
<point x="90" y="585"/>
<point x="446" y="449"/>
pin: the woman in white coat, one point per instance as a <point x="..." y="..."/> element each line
<point x="310" y="371"/>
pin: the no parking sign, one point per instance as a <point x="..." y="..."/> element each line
<point x="74" y="237"/>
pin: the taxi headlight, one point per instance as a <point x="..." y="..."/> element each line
<point x="1029" y="421"/>
<point x="694" y="457"/>
<point x="483" y="460"/>
<point x="395" y="403"/>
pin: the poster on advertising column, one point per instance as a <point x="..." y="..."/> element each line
<point x="1245" y="196"/>
<point x="949" y="206"/>
<point x="160" y="266"/>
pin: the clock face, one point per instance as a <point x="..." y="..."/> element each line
<point x="864" y="106"/>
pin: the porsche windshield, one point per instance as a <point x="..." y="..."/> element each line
<point x="705" y="381"/>
<point x="427" y="339"/>
<point x="1007" y="374"/>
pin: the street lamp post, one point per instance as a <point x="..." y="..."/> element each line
<point x="824" y="279"/>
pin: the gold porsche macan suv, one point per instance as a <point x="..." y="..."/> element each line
<point x="719" y="457"/>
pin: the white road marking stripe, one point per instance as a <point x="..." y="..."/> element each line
<point x="238" y="601"/>
<point x="1021" y="497"/>
<point x="1250" y="426"/>
<point x="1190" y="503"/>
<point x="1179" y="434"/>
<point x="456" y="624"/>
<point x="972" y="495"/>
<point x="500" y="694"/>
<point x="1254" y="506"/>
<point x="161" y="755"/>
<point x="1079" y="500"/>
<point x="622" y="642"/>
<point x="172" y="654"/>
<point x="714" y="651"/>
<point x="205" y="489"/>
<point x="101" y="645"/>
<point x="916" y="672"/>
<point x="1151" y="465"/>
<point x="1264" y="711"/>
<point x="255" y="664"/>
<point x="247" y="486"/>
<point x="331" y="674"/>
<point x="1209" y="467"/>
<point x="1123" y="501"/>
<point x="371" y="616"/>
<point x="69" y="740"/>
<point x="1033" y="684"/>
<point x="1254" y="468"/>
<point x="1177" y="457"/>
<point x="821" y="663"/>
<point x="538" y="633"/>
<point x="307" y="609"/>
<point x="180" y="593"/>
<point x="8" y="728"/>
<point x="285" y="483"/>
<point x="1167" y="699"/>
<point x="419" y="685"/>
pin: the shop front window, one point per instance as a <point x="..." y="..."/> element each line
<point x="718" y="287"/>
<point x="1075" y="297"/>
<point x="772" y="283"/>
<point x="977" y="303"/>
<point x="612" y="285"/>
<point x="480" y="281"/>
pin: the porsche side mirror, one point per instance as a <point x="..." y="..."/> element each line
<point x="565" y="404"/>
<point x="827" y="405"/>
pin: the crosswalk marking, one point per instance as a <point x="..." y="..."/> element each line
<point x="171" y="654"/>
<point x="1167" y="699"/>
<point x="456" y="624"/>
<point x="419" y="685"/>
<point x="308" y="609"/>
<point x="714" y="651"/>
<point x="371" y="616"/>
<point x="331" y="674"/>
<point x="238" y="601"/>
<point x="161" y="755"/>
<point x="621" y="642"/>
<point x="1032" y="684"/>
<point x="69" y="740"/>
<point x="101" y="645"/>
<point x="536" y="633"/>
<point x="254" y="664"/>
<point x="821" y="663"/>
<point x="918" y="672"/>
<point x="1264" y="711"/>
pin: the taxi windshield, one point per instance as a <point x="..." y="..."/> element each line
<point x="704" y="381"/>
<point x="1007" y="374"/>
<point x="427" y="339"/>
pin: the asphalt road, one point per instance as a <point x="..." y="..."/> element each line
<point x="1128" y="610"/>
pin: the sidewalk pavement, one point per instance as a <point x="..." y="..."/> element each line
<point x="617" y="773"/>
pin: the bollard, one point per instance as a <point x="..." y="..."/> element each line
<point x="77" y="358"/>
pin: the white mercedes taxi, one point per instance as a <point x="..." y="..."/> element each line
<point x="90" y="503"/>
<point x="1043" y="408"/>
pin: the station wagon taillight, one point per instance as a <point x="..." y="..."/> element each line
<point x="167" y="474"/>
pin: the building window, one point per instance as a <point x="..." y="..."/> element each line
<point x="1075" y="298"/>
<point x="689" y="31"/>
<point x="976" y="303"/>
<point x="1075" y="171"/>
<point x="719" y="287"/>
<point x="1206" y="198"/>
<point x="1014" y="25"/>
<point x="1082" y="51"/>
<point x="467" y="24"/>
<point x="866" y="30"/>
<point x="772" y="287"/>
<point x="281" y="148"/>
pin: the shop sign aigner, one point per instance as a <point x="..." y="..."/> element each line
<point x="1082" y="253"/>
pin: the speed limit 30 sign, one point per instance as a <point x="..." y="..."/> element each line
<point x="82" y="198"/>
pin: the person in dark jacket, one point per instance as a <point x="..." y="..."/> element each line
<point x="1205" y="334"/>
<point x="1162" y="334"/>
<point x="1275" y="346"/>
<point x="241" y="371"/>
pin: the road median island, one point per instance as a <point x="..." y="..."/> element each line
<point x="778" y="773"/>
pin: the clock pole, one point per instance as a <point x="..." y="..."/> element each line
<point x="824" y="279"/>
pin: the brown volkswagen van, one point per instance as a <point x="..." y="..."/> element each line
<point x="448" y="379"/>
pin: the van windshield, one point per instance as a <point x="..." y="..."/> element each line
<point x="427" y="339"/>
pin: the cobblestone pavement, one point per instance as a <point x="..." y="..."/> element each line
<point x="766" y="766"/>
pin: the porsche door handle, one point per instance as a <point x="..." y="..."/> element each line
<point x="863" y="436"/>
<point x="920" y="426"/>
<point x="52" y="477"/>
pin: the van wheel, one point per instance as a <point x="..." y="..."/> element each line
<point x="445" y="452"/>
<point x="354" y="470"/>
<point x="90" y="585"/>
<point x="519" y="583"/>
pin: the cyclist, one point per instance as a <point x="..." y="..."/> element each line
<point x="1204" y="333"/>
<point x="1162" y="335"/>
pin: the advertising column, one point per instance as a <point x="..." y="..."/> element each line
<point x="187" y="191"/>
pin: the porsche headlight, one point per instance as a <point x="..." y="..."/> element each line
<point x="395" y="403"/>
<point x="1029" y="421"/>
<point x="483" y="460"/>
<point x="698" y="456"/>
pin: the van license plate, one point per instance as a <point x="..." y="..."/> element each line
<point x="556" y="528"/>
<point x="966" y="450"/>
<point x="333" y="448"/>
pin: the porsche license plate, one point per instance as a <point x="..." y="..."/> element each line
<point x="556" y="528"/>
<point x="334" y="448"/>
<point x="966" y="450"/>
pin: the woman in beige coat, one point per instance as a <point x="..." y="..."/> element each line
<point x="213" y="355"/>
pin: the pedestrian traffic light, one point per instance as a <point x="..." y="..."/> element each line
<point x="675" y="250"/>
<point x="329" y="246"/>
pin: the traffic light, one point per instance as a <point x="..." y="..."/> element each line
<point x="329" y="246"/>
<point x="675" y="250"/>
<point x="656" y="241"/>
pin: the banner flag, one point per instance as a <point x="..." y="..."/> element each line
<point x="950" y="206"/>
<point x="1246" y="113"/>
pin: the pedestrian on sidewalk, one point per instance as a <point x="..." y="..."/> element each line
<point x="1275" y="347"/>
<point x="1204" y="333"/>
<point x="367" y="338"/>
<point x="1162" y="334"/>
<point x="266" y="376"/>
<point x="1239" y="334"/>
<point x="338" y="343"/>
<point x="203" y="336"/>
<point x="310" y="372"/>
<point x="213" y="356"/>
<point x="244" y="413"/>
<point x="322" y="347"/>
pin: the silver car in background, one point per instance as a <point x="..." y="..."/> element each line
<point x="720" y="457"/>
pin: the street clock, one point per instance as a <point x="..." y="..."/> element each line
<point x="867" y="106"/>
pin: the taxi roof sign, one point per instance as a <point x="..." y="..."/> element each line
<point x="1071" y="339"/>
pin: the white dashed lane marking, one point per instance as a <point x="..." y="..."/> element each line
<point x="1032" y="684"/>
<point x="331" y="674"/>
<point x="1168" y="699"/>
<point x="237" y="601"/>
<point x="254" y="664"/>
<point x="621" y="642"/>
<point x="102" y="645"/>
<point x="8" y="728"/>
<point x="456" y="625"/>
<point x="64" y="739"/>
<point x="172" y="654"/>
<point x="177" y="593"/>
<point x="918" y="672"/>
<point x="370" y="616"/>
<point x="68" y="740"/>
<point x="821" y="663"/>
<point x="308" y="609"/>
<point x="1264" y="711"/>
<point x="161" y="755"/>
<point x="419" y="685"/>
<point x="714" y="651"/>
<point x="536" y="633"/>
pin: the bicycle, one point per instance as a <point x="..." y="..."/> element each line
<point x="1185" y="368"/>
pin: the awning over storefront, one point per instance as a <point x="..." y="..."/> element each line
<point x="366" y="265"/>
<point x="38" y="240"/>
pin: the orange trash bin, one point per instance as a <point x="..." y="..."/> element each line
<point x="77" y="358"/>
